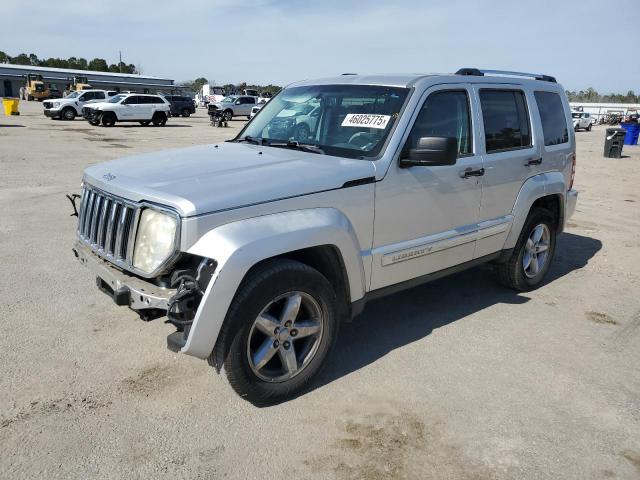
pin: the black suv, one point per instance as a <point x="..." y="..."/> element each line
<point x="181" y="105"/>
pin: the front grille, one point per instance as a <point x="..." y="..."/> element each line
<point x="47" y="105"/>
<point x="107" y="224"/>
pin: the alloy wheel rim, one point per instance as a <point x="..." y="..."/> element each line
<point x="536" y="250"/>
<point x="285" y="337"/>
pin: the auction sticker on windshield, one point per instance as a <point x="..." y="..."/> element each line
<point x="366" y="120"/>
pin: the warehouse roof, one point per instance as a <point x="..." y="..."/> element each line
<point x="78" y="71"/>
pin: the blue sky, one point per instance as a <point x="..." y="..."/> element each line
<point x="280" y="41"/>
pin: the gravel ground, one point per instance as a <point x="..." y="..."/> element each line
<point x="452" y="380"/>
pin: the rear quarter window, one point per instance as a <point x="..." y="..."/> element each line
<point x="506" y="120"/>
<point x="552" y="116"/>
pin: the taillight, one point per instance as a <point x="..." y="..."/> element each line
<point x="573" y="169"/>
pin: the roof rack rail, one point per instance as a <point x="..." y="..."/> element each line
<point x="505" y="73"/>
<point x="349" y="74"/>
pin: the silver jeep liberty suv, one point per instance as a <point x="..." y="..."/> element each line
<point x="338" y="191"/>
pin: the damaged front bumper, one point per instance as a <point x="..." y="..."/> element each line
<point x="151" y="301"/>
<point x="123" y="288"/>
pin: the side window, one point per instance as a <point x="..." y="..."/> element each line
<point x="156" y="100"/>
<point x="554" y="122"/>
<point x="132" y="100"/>
<point x="445" y="114"/>
<point x="84" y="98"/>
<point x="98" y="95"/>
<point x="506" y="121"/>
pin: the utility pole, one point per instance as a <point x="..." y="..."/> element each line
<point x="120" y="62"/>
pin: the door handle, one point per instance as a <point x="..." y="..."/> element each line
<point x="470" y="172"/>
<point x="533" y="161"/>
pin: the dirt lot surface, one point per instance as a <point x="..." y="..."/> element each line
<point x="458" y="379"/>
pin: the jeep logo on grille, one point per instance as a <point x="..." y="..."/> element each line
<point x="108" y="176"/>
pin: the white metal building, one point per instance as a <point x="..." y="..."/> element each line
<point x="599" y="109"/>
<point x="12" y="77"/>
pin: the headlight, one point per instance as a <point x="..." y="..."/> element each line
<point x="155" y="240"/>
<point x="55" y="105"/>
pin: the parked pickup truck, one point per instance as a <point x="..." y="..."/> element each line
<point x="69" y="107"/>
<point x="258" y="248"/>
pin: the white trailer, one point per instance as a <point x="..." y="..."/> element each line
<point x="598" y="110"/>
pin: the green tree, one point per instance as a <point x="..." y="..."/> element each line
<point x="98" y="65"/>
<point x="4" y="58"/>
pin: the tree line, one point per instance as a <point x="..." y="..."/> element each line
<point x="590" y="95"/>
<point x="196" y="85"/>
<point x="73" y="63"/>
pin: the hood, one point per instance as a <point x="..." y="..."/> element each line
<point x="212" y="178"/>
<point x="97" y="105"/>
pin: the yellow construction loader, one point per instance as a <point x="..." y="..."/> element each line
<point x="36" y="89"/>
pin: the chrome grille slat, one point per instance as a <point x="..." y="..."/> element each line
<point x="95" y="219"/>
<point x="108" y="224"/>
<point x="108" y="241"/>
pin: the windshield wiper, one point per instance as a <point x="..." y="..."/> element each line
<point x="305" y="147"/>
<point x="255" y="141"/>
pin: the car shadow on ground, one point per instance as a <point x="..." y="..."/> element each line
<point x="400" y="319"/>
<point x="11" y="126"/>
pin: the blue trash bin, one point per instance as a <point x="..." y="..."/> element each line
<point x="633" y="130"/>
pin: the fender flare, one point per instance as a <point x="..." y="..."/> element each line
<point x="238" y="246"/>
<point x="538" y="186"/>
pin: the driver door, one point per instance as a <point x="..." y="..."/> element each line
<point x="426" y="216"/>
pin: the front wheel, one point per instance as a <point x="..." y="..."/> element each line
<point x="186" y="113"/>
<point x="589" y="128"/>
<point x="68" y="113"/>
<point x="159" y="119"/>
<point x="227" y="115"/>
<point x="278" y="331"/>
<point x="532" y="254"/>
<point x="108" y="119"/>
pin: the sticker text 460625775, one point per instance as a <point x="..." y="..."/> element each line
<point x="366" y="120"/>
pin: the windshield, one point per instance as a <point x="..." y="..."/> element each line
<point x="228" y="100"/>
<point x="116" y="99"/>
<point x="217" y="91"/>
<point x="576" y="115"/>
<point x="73" y="95"/>
<point x="343" y="120"/>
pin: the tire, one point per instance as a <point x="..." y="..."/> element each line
<point x="95" y="123"/>
<point x="186" y="113"/>
<point x="589" y="128"/>
<point x="109" y="119"/>
<point x="268" y="289"/>
<point x="513" y="273"/>
<point x="577" y="127"/>
<point x="145" y="123"/>
<point x="68" y="114"/>
<point x="159" y="119"/>
<point x="227" y="115"/>
<point x="29" y="98"/>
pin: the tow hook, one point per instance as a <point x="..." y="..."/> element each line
<point x="72" y="198"/>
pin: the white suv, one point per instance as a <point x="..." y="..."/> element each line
<point x="132" y="107"/>
<point x="257" y="248"/>
<point x="69" y="107"/>
<point x="581" y="120"/>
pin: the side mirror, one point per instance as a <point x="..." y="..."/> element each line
<point x="237" y="102"/>
<point x="431" y="151"/>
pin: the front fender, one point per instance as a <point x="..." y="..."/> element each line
<point x="238" y="246"/>
<point x="538" y="186"/>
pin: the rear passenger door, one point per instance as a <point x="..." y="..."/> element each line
<point x="510" y="155"/>
<point x="246" y="104"/>
<point x="554" y="115"/>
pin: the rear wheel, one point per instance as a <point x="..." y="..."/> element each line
<point x="68" y="113"/>
<point x="186" y="112"/>
<point x="532" y="254"/>
<point x="108" y="119"/>
<point x="589" y="128"/>
<point x="159" y="119"/>
<point x="278" y="331"/>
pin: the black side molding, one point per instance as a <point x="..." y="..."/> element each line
<point x="358" y="182"/>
